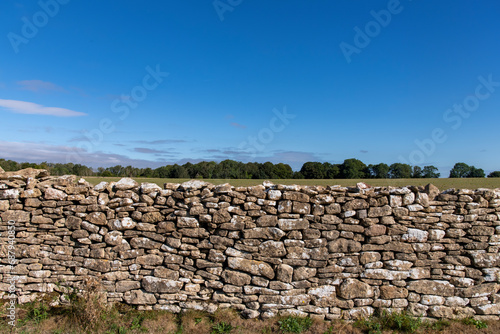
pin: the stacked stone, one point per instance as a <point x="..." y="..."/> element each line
<point x="329" y="252"/>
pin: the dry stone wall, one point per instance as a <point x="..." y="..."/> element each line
<point x="330" y="252"/>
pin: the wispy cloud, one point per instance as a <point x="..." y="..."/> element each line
<point x="294" y="158"/>
<point x="161" y="141"/>
<point x="363" y="151"/>
<point x="39" y="86"/>
<point x="238" y="125"/>
<point x="22" y="107"/>
<point x="147" y="150"/>
<point x="38" y="152"/>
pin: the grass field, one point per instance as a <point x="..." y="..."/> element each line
<point x="89" y="316"/>
<point x="442" y="183"/>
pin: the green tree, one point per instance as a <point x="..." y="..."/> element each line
<point x="179" y="172"/>
<point x="313" y="170"/>
<point x="297" y="175"/>
<point x="417" y="172"/>
<point x="354" y="169"/>
<point x="331" y="171"/>
<point x="282" y="171"/>
<point x="476" y="172"/>
<point x="463" y="170"/>
<point x="494" y="174"/>
<point x="163" y="172"/>
<point x="379" y="171"/>
<point x="460" y="169"/>
<point x="400" y="171"/>
<point x="430" y="172"/>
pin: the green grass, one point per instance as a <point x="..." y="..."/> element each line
<point x="442" y="183"/>
<point x="294" y="324"/>
<point x="476" y="323"/>
<point x="38" y="317"/>
<point x="222" y="328"/>
<point x="399" y="321"/>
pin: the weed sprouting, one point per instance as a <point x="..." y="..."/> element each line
<point x="294" y="324"/>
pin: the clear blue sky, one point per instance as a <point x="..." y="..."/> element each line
<point x="280" y="81"/>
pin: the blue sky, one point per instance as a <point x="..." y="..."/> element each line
<point x="149" y="83"/>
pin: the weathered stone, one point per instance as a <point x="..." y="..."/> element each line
<point x="123" y="286"/>
<point x="16" y="215"/>
<point x="356" y="204"/>
<point x="368" y="257"/>
<point x="160" y="285"/>
<point x="122" y="224"/>
<point x="415" y="235"/>
<point x="9" y="194"/>
<point x="385" y="274"/>
<point x="138" y="297"/>
<point x="4" y="205"/>
<point x="113" y="238"/>
<point x="166" y="273"/>
<point x="272" y="248"/>
<point x="296" y="196"/>
<point x="73" y="222"/>
<point x="303" y="273"/>
<point x="55" y="194"/>
<point x="149" y="260"/>
<point x="323" y="296"/>
<point x="97" y="218"/>
<point x="293" y="224"/>
<point x="352" y="288"/>
<point x="251" y="266"/>
<point x="344" y="246"/>
<point x="488" y="309"/>
<point x="152" y="217"/>
<point x="273" y="233"/>
<point x="385" y="210"/>
<point x="236" y="278"/>
<point x="97" y="265"/>
<point x="29" y="193"/>
<point x="392" y="292"/>
<point x="126" y="184"/>
<point x="426" y="287"/>
<point x="375" y="230"/>
<point x="485" y="260"/>
<point x="284" y="273"/>
<point x="144" y="243"/>
<point x="483" y="290"/>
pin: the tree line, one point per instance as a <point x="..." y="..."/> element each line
<point x="230" y="169"/>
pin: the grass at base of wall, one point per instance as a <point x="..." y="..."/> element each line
<point x="77" y="318"/>
<point x="442" y="183"/>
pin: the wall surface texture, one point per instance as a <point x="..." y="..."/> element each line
<point x="332" y="252"/>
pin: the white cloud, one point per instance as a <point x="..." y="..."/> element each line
<point x="22" y="107"/>
<point x="39" y="85"/>
<point x="37" y="152"/>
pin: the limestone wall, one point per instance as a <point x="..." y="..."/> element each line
<point x="330" y="252"/>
